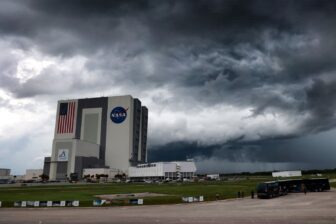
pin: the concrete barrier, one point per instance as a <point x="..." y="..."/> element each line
<point x="45" y="204"/>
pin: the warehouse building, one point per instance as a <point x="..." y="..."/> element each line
<point x="163" y="170"/>
<point x="5" y="176"/>
<point x="105" y="132"/>
<point x="4" y="172"/>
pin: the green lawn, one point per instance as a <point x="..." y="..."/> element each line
<point x="174" y="191"/>
<point x="85" y="193"/>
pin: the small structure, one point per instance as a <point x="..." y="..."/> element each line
<point x="213" y="176"/>
<point x="297" y="173"/>
<point x="33" y="174"/>
<point x="163" y="170"/>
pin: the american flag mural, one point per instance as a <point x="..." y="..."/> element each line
<point x="66" y="117"/>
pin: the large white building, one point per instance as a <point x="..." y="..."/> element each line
<point x="163" y="170"/>
<point x="296" y="173"/>
<point x="105" y="132"/>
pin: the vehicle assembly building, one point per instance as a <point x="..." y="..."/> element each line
<point x="105" y="132"/>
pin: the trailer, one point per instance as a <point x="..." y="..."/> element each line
<point x="282" y="187"/>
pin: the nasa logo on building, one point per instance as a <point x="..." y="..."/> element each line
<point x="118" y="115"/>
<point x="63" y="155"/>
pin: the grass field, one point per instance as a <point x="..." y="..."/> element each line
<point x="85" y="193"/>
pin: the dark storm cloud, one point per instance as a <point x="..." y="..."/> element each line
<point x="281" y="153"/>
<point x="322" y="105"/>
<point x="272" y="57"/>
<point x="180" y="151"/>
<point x="218" y="35"/>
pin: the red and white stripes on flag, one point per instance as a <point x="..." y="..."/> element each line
<point x="66" y="117"/>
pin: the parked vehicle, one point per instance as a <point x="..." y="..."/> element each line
<point x="268" y="189"/>
<point x="317" y="184"/>
<point x="282" y="187"/>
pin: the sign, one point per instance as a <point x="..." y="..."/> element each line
<point x="98" y="202"/>
<point x="30" y="203"/>
<point x="56" y="203"/>
<point x="63" y="155"/>
<point x="193" y="199"/>
<point x="43" y="203"/>
<point x="133" y="201"/>
<point x="118" y="114"/>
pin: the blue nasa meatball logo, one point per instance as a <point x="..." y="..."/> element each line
<point x="118" y="115"/>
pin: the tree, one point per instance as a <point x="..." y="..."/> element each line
<point x="98" y="176"/>
<point x="73" y="176"/>
<point x="44" y="177"/>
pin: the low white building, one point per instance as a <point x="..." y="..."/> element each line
<point x="163" y="170"/>
<point x="213" y="176"/>
<point x="33" y="174"/>
<point x="105" y="171"/>
<point x="296" y="173"/>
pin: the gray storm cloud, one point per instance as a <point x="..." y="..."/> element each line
<point x="230" y="79"/>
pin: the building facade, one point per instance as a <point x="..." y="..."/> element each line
<point x="105" y="132"/>
<point x="163" y="170"/>
<point x="4" y="172"/>
<point x="33" y="174"/>
<point x="111" y="173"/>
<point x="5" y="176"/>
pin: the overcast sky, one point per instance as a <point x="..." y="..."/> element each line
<point x="236" y="85"/>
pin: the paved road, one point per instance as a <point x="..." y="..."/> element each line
<point x="317" y="208"/>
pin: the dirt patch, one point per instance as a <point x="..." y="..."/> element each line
<point x="128" y="196"/>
